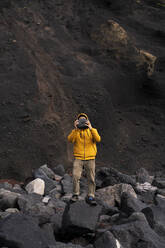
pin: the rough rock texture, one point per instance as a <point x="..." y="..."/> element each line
<point x="81" y="218"/>
<point x="8" y="199"/>
<point x="107" y="240"/>
<point x="11" y="234"/>
<point x="137" y="233"/>
<point x="58" y="58"/>
<point x="112" y="194"/>
<point x="31" y="204"/>
<point x="121" y="218"/>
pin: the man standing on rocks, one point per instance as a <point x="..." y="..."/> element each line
<point x="84" y="138"/>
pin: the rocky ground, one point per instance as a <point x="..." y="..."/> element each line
<point x="62" y="57"/>
<point x="130" y="211"/>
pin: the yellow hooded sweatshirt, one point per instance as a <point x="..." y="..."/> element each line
<point x="84" y="141"/>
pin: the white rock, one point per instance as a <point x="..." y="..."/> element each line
<point x="118" y="245"/>
<point x="145" y="187"/>
<point x="36" y="186"/>
<point x="46" y="199"/>
<point x="12" y="210"/>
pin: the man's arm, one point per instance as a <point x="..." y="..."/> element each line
<point x="95" y="135"/>
<point x="72" y="136"/>
<point x="94" y="132"/>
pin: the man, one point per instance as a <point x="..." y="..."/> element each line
<point x="85" y="151"/>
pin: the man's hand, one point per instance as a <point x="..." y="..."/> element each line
<point x="89" y="124"/>
<point x="75" y="123"/>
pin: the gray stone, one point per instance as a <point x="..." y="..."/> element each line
<point x="19" y="230"/>
<point x="143" y="176"/>
<point x="67" y="185"/>
<point x="8" y="199"/>
<point x="136" y="232"/>
<point x="59" y="170"/>
<point x="32" y="204"/>
<point x="81" y="218"/>
<point x="130" y="204"/>
<point x="57" y="219"/>
<point x="146" y="192"/>
<point x="49" y="172"/>
<point x="112" y="194"/>
<point x="110" y="176"/>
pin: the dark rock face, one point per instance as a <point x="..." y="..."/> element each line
<point x="106" y="240"/>
<point x="81" y="218"/>
<point x="31" y="204"/>
<point x="19" y="230"/>
<point x="137" y="233"/>
<point x="57" y="218"/>
<point x="105" y="58"/>
<point x="159" y="182"/>
<point x="109" y="176"/>
<point x="130" y="204"/>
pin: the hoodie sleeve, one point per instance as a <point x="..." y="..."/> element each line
<point x="72" y="136"/>
<point x="95" y="135"/>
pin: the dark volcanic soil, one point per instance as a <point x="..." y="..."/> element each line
<point x="62" y="57"/>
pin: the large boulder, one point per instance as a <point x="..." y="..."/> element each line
<point x="57" y="218"/>
<point x="8" y="199"/>
<point x="32" y="204"/>
<point x="136" y="232"/>
<point x="130" y="204"/>
<point x="110" y="176"/>
<point x="80" y="218"/>
<point x="155" y="215"/>
<point x="22" y="231"/>
<point x="111" y="195"/>
<point x="36" y="186"/>
<point x="49" y="172"/>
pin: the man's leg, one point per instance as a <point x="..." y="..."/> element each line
<point x="77" y="171"/>
<point x="90" y="171"/>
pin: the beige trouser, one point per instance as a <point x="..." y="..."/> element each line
<point x="89" y="166"/>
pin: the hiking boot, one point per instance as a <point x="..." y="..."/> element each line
<point x="74" y="198"/>
<point x="91" y="200"/>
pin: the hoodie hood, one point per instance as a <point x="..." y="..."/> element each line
<point x="82" y="114"/>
